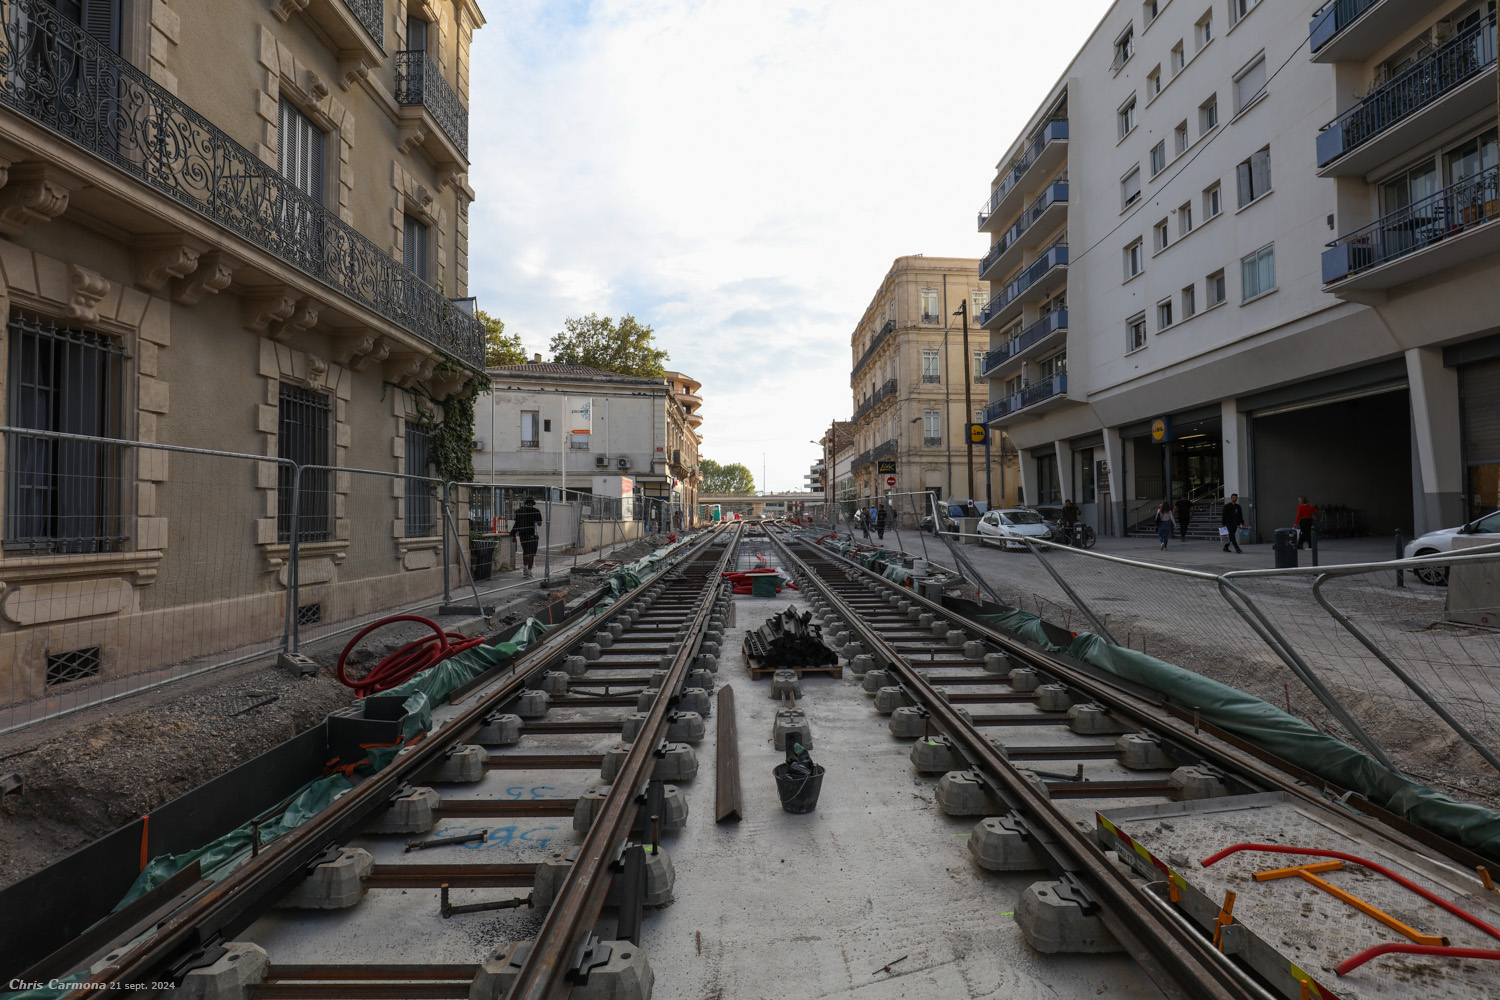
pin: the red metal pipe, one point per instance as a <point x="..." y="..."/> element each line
<point x="1349" y="965"/>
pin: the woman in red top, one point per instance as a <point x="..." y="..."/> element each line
<point x="1306" y="514"/>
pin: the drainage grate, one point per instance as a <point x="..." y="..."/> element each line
<point x="309" y="614"/>
<point x="72" y="666"/>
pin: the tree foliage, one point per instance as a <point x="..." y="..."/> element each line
<point x="725" y="480"/>
<point x="598" y="342"/>
<point x="500" y="348"/>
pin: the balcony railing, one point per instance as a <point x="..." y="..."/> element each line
<point x="875" y="343"/>
<point x="62" y="78"/>
<point x="419" y="82"/>
<point x="1334" y="17"/>
<point x="1055" y="385"/>
<point x="1040" y="330"/>
<point x="1456" y="209"/>
<point x="886" y="391"/>
<point x="1055" y="193"/>
<point x="885" y="450"/>
<point x="1050" y="132"/>
<point x="860" y="462"/>
<point x="1056" y="256"/>
<point x="932" y="440"/>
<point x="371" y="14"/>
<point x="1459" y="59"/>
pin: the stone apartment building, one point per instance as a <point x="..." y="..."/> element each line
<point x="1249" y="247"/>
<point x="239" y="226"/>
<point x="910" y="390"/>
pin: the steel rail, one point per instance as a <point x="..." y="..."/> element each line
<point x="580" y="897"/>
<point x="1183" y="964"/>
<point x="235" y="902"/>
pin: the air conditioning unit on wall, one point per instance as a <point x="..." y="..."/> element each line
<point x="622" y="463"/>
<point x="601" y="461"/>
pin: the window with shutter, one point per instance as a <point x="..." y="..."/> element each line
<point x="414" y="252"/>
<point x="416" y="34"/>
<point x="301" y="156"/>
<point x="100" y="18"/>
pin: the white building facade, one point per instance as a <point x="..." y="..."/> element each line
<point x="1207" y="274"/>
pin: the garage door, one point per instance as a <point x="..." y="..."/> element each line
<point x="1479" y="388"/>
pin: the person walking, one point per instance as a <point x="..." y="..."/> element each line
<point x="863" y="520"/>
<point x="1306" y="515"/>
<point x="524" y="531"/>
<point x="1165" y="522"/>
<point x="1184" y="512"/>
<point x="1070" y="515"/>
<point x="880" y="522"/>
<point x="1231" y="519"/>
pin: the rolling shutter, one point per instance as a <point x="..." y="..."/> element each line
<point x="1479" y="395"/>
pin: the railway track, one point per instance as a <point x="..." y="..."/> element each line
<point x="517" y="851"/>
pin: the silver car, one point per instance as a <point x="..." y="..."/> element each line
<point x="1440" y="541"/>
<point x="1006" y="528"/>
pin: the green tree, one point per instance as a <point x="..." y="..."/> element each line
<point x="725" y="480"/>
<point x="627" y="348"/>
<point x="500" y="348"/>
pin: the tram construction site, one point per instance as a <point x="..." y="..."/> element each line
<point x="585" y="807"/>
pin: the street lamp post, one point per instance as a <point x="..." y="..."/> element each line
<point x="963" y="312"/>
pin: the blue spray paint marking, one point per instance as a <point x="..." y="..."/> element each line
<point x="536" y="839"/>
<point x="539" y="792"/>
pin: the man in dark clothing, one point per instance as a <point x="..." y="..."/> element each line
<point x="1232" y="518"/>
<point x="1069" y="520"/>
<point x="524" y="531"/>
<point x="1184" y="511"/>
<point x="880" y="522"/>
<point x="1307" y="516"/>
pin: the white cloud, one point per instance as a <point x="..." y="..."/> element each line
<point x="741" y="175"/>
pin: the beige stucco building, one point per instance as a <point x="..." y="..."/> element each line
<point x="912" y="398"/>
<point x="244" y="227"/>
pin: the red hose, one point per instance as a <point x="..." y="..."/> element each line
<point x="1442" y="951"/>
<point x="408" y="661"/>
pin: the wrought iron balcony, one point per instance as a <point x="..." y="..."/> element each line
<point x="1458" y="60"/>
<point x="1056" y="256"/>
<point x="886" y="391"/>
<point x="885" y="450"/>
<point x="1052" y="131"/>
<point x="371" y="14"/>
<point x="62" y="78"/>
<point x="1458" y="208"/>
<point x="875" y="344"/>
<point x="419" y="82"/>
<point x="1036" y="392"/>
<point x="1033" y="334"/>
<point x="1056" y="193"/>
<point x="932" y="441"/>
<point x="863" y="460"/>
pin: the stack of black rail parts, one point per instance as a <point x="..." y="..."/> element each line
<point x="789" y="641"/>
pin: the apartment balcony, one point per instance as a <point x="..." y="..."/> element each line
<point x="875" y="344"/>
<point x="1045" y="275"/>
<point x="1043" y="153"/>
<point x="1452" y="83"/>
<point x="873" y="401"/>
<point x="1455" y="225"/>
<point x="1033" y="400"/>
<point x="1041" y="217"/>
<point x="886" y="450"/>
<point x="429" y="105"/>
<point x="690" y="400"/>
<point x="694" y="419"/>
<point x="162" y="167"/>
<point x="1354" y="30"/>
<point x="1037" y="338"/>
<point x="863" y="460"/>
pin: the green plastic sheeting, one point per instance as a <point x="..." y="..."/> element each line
<point x="1277" y="732"/>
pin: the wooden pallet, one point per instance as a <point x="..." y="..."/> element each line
<point x="760" y="673"/>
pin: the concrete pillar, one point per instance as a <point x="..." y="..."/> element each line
<point x="1065" y="478"/>
<point x="1028" y="475"/>
<point x="1437" y="490"/>
<point x="1234" y="431"/>
<point x="1114" y="462"/>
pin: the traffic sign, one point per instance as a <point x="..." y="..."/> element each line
<point x="978" y="432"/>
<point x="890" y="480"/>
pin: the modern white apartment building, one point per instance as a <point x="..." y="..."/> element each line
<point x="1243" y="247"/>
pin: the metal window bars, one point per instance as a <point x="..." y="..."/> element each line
<point x="420" y="522"/>
<point x="304" y="438"/>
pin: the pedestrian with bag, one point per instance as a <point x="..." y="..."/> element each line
<point x="1230" y="521"/>
<point x="1165" y="522"/>
<point x="863" y="521"/>
<point x="1184" y="512"/>
<point x="524" y="531"/>
<point x="1306" y="515"/>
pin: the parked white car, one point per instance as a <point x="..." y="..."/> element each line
<point x="1435" y="542"/>
<point x="1006" y="528"/>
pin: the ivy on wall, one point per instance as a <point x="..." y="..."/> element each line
<point x="451" y="437"/>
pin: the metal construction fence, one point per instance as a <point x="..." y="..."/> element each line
<point x="127" y="565"/>
<point x="1406" y="671"/>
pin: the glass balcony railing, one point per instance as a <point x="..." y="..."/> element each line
<point x="1054" y="130"/>
<point x="1334" y="17"/>
<point x="1055" y="193"/>
<point x="419" y="82"/>
<point x="68" y="82"/>
<point x="1056" y="256"/>
<point x="1461" y="58"/>
<point x="1054" y="385"/>
<point x="1458" y="208"/>
<point x="879" y="339"/>
<point x="1038" y="331"/>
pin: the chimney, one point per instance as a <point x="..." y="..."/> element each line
<point x="536" y="358"/>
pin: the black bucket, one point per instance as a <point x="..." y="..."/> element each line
<point x="798" y="794"/>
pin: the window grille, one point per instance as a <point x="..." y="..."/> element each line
<point x="419" y="493"/>
<point x="63" y="495"/>
<point x="309" y="614"/>
<point x="305" y="439"/>
<point x="74" y="665"/>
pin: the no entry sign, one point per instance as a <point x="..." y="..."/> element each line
<point x="890" y="480"/>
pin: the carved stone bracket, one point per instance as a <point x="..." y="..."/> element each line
<point x="378" y="354"/>
<point x="32" y="193"/>
<point x="304" y="316"/>
<point x="449" y="173"/>
<point x="353" y="67"/>
<point x="158" y="262"/>
<point x="410" y="137"/>
<point x="357" y="347"/>
<point x="444" y="388"/>
<point x="284" y="9"/>
<point x="406" y="370"/>
<point x="85" y="289"/>
<point x="214" y="272"/>
<point x="264" y="309"/>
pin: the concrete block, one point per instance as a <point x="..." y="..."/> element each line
<point x="549" y="874"/>
<point x="1035" y="780"/>
<point x="631" y="728"/>
<point x="708" y="647"/>
<point x="785" y="683"/>
<point x="695" y="700"/>
<point x="613" y="758"/>
<point x="674" y="809"/>
<point x="708" y="662"/>
<point x="685" y="727"/>
<point x="554" y="682"/>
<point x="575" y="666"/>
<point x="531" y="704"/>
<point x="701" y="679"/>
<point x="791" y="726"/>
<point x="646" y="699"/>
<point x="1003" y="844"/>
<point x="888" y="699"/>
<point x="997" y="663"/>
<point x="588" y="806"/>
<point x="853" y="648"/>
<point x="1092" y="719"/>
<point x="862" y="664"/>
<point x="675" y="762"/>
<point x="1024" y="680"/>
<point x="960" y="793"/>
<point x="414" y="812"/>
<point x="926" y="618"/>
<point x="1000" y="747"/>
<point x="839" y="638"/>
<point x="499" y="730"/>
<point x="656" y="680"/>
<point x="464" y="763"/>
<point x="1055" y="918"/>
<point x="660" y="876"/>
<point x="940" y="627"/>
<point x="333" y="885"/>
<point x="955" y="637"/>
<point x="875" y="680"/>
<point x="1053" y="698"/>
<point x="241" y="966"/>
<point x="1142" y="752"/>
<point x="936" y="755"/>
<point x="1197" y="782"/>
<point x="590" y="651"/>
<point x="626" y="976"/>
<point x="603" y="639"/>
<point x="974" y="649"/>
<point x="915" y="613"/>
<point x="908" y="723"/>
<point x="615" y="629"/>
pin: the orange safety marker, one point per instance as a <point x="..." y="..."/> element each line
<point x="1224" y="919"/>
<point x="1308" y="874"/>
<point x="1484" y="876"/>
<point x="145" y="832"/>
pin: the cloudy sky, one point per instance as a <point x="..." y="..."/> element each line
<point x="740" y="174"/>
